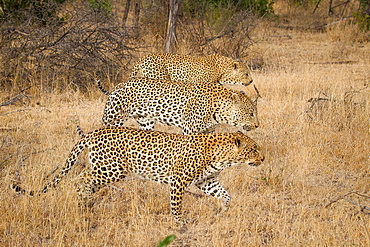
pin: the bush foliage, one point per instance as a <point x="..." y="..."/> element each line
<point x="61" y="43"/>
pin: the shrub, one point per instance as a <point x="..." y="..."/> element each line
<point x="74" y="52"/>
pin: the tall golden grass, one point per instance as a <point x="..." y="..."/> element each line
<point x="314" y="115"/>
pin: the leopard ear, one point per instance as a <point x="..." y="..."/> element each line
<point x="236" y="97"/>
<point x="239" y="142"/>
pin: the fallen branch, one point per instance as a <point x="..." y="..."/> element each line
<point x="258" y="92"/>
<point x="363" y="209"/>
<point x="337" y="62"/>
<point x="314" y="101"/>
<point x="13" y="99"/>
<point x="4" y="128"/>
<point x="4" y="161"/>
<point x="257" y="96"/>
<point x="17" y="97"/>
<point x="14" y="112"/>
<point x="352" y="92"/>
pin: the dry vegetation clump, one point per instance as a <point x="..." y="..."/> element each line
<point x="312" y="190"/>
<point x="67" y="53"/>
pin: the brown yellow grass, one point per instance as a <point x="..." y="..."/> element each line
<point x="316" y="152"/>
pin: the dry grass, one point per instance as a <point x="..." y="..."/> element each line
<point x="315" y="152"/>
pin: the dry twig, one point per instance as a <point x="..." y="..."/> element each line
<point x="15" y="98"/>
<point x="336" y="62"/>
<point x="322" y="96"/>
<point x="317" y="99"/>
<point x="15" y="112"/>
<point x="363" y="209"/>
<point x="258" y="93"/>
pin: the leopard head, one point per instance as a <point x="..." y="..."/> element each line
<point x="235" y="72"/>
<point x="236" y="148"/>
<point x="239" y="111"/>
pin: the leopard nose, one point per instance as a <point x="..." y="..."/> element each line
<point x="246" y="128"/>
<point x="247" y="83"/>
<point x="262" y="158"/>
<point x="251" y="127"/>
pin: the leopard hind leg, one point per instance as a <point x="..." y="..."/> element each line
<point x="92" y="181"/>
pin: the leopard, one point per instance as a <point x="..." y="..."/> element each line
<point x="179" y="161"/>
<point x="193" y="69"/>
<point x="191" y="107"/>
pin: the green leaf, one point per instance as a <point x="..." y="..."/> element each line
<point x="166" y="241"/>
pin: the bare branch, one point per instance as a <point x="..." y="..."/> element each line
<point x="15" y="98"/>
<point x="4" y="161"/>
<point x="334" y="62"/>
<point x="257" y="96"/>
<point x="355" y="192"/>
<point x="15" y="112"/>
<point x="314" y="101"/>
<point x="363" y="208"/>
<point x="258" y="92"/>
<point x="12" y="100"/>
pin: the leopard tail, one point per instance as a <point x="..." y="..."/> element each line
<point x="101" y="88"/>
<point x="71" y="160"/>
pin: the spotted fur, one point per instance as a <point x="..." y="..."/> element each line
<point x="192" y="69"/>
<point x="192" y="107"/>
<point x="177" y="160"/>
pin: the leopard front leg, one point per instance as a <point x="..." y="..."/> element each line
<point x="211" y="186"/>
<point x="176" y="196"/>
